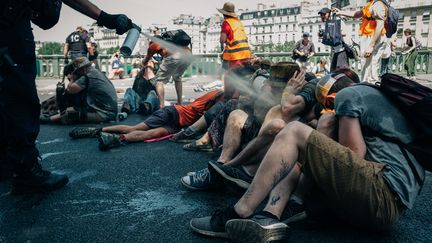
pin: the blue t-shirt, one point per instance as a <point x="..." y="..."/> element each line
<point x="378" y="114"/>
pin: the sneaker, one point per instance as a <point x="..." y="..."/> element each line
<point x="214" y="225"/>
<point x="293" y="212"/>
<point x="235" y="174"/>
<point x="183" y="137"/>
<point x="85" y="132"/>
<point x="200" y="180"/>
<point x="109" y="140"/>
<point x="37" y="180"/>
<point x="259" y="228"/>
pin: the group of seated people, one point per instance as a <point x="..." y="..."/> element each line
<point x="297" y="143"/>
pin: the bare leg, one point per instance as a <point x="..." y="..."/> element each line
<point x="179" y="90"/>
<point x="205" y="139"/>
<point x="281" y="192"/>
<point x="232" y="135"/>
<point x="200" y="125"/>
<point x="277" y="164"/>
<point x="140" y="136"/>
<point x="160" y="90"/>
<point x="260" y="143"/>
<point x="123" y="129"/>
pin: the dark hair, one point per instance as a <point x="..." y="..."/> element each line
<point x="343" y="81"/>
<point x="349" y="73"/>
<point x="408" y="31"/>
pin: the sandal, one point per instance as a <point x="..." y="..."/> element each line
<point x="195" y="147"/>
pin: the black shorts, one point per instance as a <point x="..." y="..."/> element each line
<point x="166" y="117"/>
<point x="250" y="130"/>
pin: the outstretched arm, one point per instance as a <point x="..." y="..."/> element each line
<point x="85" y="7"/>
<point x="120" y="22"/>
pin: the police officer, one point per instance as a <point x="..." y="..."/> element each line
<point x="19" y="102"/>
<point x="77" y="45"/>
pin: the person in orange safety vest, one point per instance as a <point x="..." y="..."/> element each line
<point x="373" y="42"/>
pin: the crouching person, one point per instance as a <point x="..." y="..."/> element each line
<point x="89" y="96"/>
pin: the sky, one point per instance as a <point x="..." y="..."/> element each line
<point x="142" y="12"/>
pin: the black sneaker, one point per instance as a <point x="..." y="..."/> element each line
<point x="259" y="228"/>
<point x="109" y="140"/>
<point x="85" y="132"/>
<point x="293" y="212"/>
<point x="201" y="180"/>
<point x="37" y="180"/>
<point x="214" y="225"/>
<point x="234" y="174"/>
<point x="183" y="137"/>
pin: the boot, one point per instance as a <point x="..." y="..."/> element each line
<point x="35" y="179"/>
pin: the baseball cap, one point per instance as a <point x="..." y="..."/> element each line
<point x="324" y="85"/>
<point x="305" y="34"/>
<point x="324" y="11"/>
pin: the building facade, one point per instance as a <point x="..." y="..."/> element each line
<point x="276" y="25"/>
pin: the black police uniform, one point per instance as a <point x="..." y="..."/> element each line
<point x="77" y="45"/>
<point x="19" y="102"/>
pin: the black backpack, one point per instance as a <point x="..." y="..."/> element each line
<point x="391" y="22"/>
<point x="178" y="37"/>
<point x="332" y="35"/>
<point x="414" y="101"/>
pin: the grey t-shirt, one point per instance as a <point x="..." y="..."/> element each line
<point x="377" y="113"/>
<point x="101" y="94"/>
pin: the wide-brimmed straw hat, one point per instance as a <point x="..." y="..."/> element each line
<point x="228" y="9"/>
<point x="281" y="72"/>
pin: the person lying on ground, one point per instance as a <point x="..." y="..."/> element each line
<point x="363" y="180"/>
<point x="163" y="122"/>
<point x="89" y="96"/>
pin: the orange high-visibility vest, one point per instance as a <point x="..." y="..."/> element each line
<point x="238" y="47"/>
<point x="368" y="24"/>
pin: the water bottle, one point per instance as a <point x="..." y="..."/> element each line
<point x="130" y="41"/>
<point x="121" y="116"/>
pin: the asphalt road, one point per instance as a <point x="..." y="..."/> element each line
<point x="133" y="194"/>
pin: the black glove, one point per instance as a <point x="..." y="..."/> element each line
<point x="120" y="22"/>
<point x="66" y="61"/>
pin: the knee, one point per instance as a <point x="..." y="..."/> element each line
<point x="292" y="130"/>
<point x="274" y="127"/>
<point x="237" y="118"/>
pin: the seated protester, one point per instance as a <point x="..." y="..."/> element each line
<point x="163" y="122"/>
<point x="97" y="98"/>
<point x="243" y="166"/>
<point x="117" y="62"/>
<point x="136" y="65"/>
<point x="242" y="74"/>
<point x="241" y="126"/>
<point x="142" y="97"/>
<point x="364" y="180"/>
<point x="322" y="68"/>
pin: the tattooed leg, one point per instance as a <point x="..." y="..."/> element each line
<point x="281" y="192"/>
<point x="276" y="165"/>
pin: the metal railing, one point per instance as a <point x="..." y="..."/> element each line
<point x="51" y="66"/>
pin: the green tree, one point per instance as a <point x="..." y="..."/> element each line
<point x="51" y="48"/>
